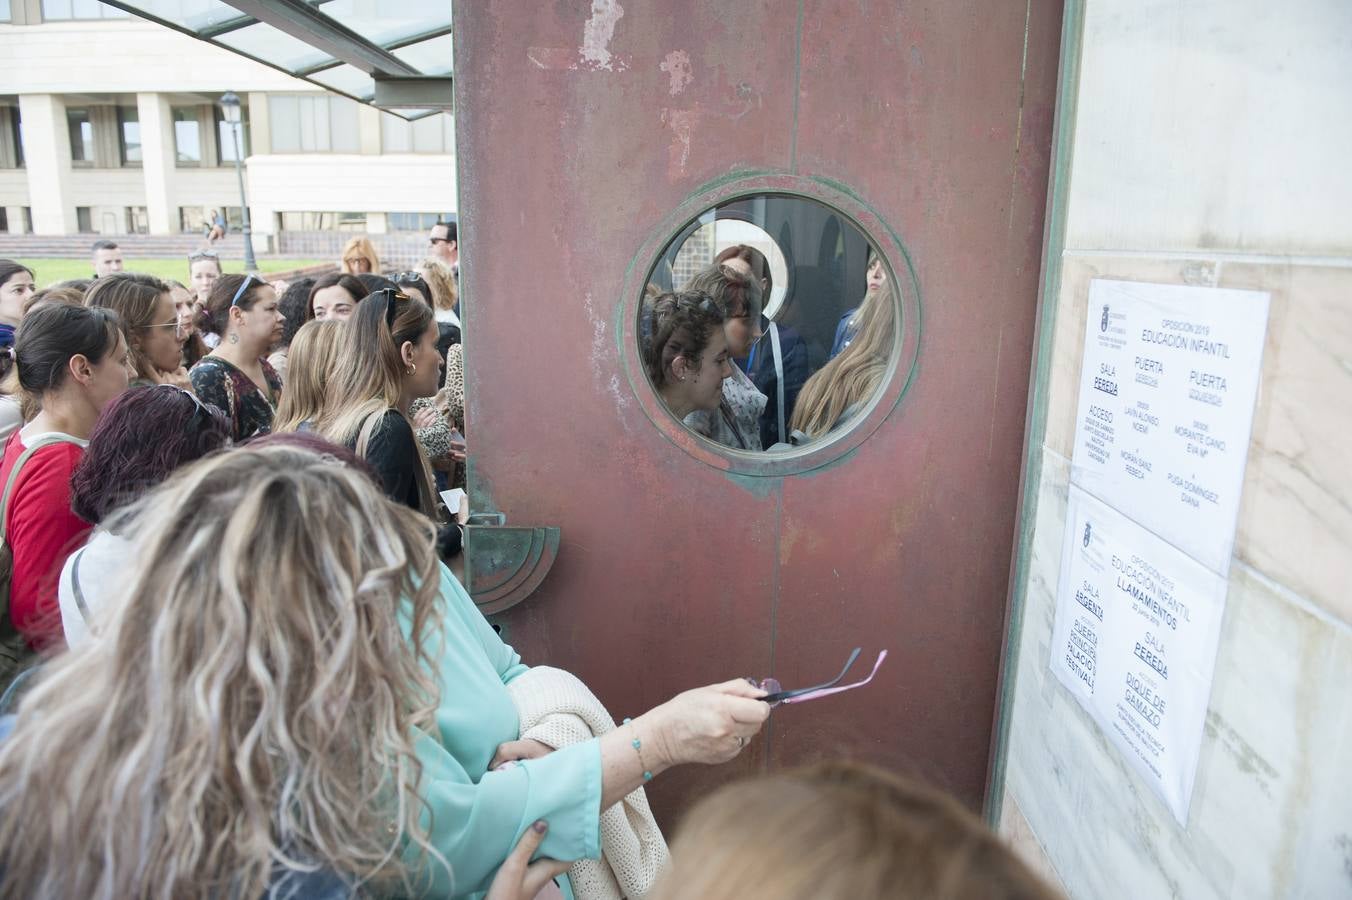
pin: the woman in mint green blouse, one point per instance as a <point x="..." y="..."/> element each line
<point x="478" y="815"/>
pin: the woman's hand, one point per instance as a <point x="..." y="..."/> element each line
<point x="425" y="417"/>
<point x="709" y="724"/>
<point x="515" y="751"/>
<point x="521" y="879"/>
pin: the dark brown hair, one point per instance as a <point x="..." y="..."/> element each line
<point x="133" y="297"/>
<point x="52" y="334"/>
<point x="223" y="297"/>
<point x="355" y="289"/>
<point x="676" y="324"/>
<point x="760" y="266"/>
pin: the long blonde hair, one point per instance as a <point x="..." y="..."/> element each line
<point x="310" y="364"/>
<point x="840" y="830"/>
<point x="250" y="706"/>
<point x="853" y="376"/>
<point x="368" y="380"/>
<point x="441" y="281"/>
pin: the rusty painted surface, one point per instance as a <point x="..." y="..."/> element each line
<point x="581" y="129"/>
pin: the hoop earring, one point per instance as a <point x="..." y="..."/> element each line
<point x="412" y="369"/>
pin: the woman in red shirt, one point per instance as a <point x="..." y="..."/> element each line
<point x="74" y="359"/>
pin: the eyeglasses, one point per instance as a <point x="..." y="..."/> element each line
<point x="406" y="276"/>
<point x="244" y="286"/>
<point x="203" y="254"/>
<point x="777" y="695"/>
<point x="435" y="241"/>
<point x="180" y="328"/>
<point x="200" y="411"/>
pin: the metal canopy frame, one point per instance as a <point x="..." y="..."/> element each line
<point x="396" y="84"/>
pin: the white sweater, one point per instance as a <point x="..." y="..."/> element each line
<point x="99" y="563"/>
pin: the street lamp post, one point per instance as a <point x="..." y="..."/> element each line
<point x="230" y="107"/>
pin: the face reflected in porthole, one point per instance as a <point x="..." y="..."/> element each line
<point x="768" y="323"/>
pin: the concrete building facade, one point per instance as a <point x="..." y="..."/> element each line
<point x="111" y="125"/>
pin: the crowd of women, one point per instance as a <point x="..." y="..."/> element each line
<point x="703" y="351"/>
<point x="245" y="670"/>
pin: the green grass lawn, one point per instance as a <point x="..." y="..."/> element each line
<point x="50" y="271"/>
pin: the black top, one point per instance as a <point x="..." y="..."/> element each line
<point x="393" y="452"/>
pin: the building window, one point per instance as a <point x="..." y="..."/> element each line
<point x="4" y="11"/>
<point x="225" y="138"/>
<point x="431" y="134"/>
<point x="303" y="123"/>
<point x="129" y="135"/>
<point x="56" y="10"/>
<point x="322" y="221"/>
<point x="84" y="220"/>
<point x="187" y="136"/>
<point x="138" y="220"/>
<point x="28" y="220"/>
<point x="81" y="136"/>
<point x="403" y="221"/>
<point x="11" y="139"/>
<point x="4" y="220"/>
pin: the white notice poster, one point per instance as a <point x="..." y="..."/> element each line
<point x="1137" y="623"/>
<point x="1166" y="403"/>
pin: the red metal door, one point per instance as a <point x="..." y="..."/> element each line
<point x="588" y="133"/>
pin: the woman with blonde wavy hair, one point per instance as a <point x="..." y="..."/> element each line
<point x="246" y="723"/>
<point x="311" y="362"/>
<point x="359" y="257"/>
<point x="844" y="385"/>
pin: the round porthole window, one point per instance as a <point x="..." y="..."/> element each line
<point x="771" y="324"/>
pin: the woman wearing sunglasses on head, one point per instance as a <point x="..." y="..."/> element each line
<point x="138" y="442"/>
<point x="236" y="377"/>
<point x="685" y="351"/>
<point x="387" y="358"/>
<point x="152" y="325"/>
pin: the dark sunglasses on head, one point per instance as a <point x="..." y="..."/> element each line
<point x="389" y="296"/>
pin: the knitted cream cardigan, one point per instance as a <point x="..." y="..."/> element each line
<point x="556" y="709"/>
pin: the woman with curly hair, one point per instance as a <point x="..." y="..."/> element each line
<point x="245" y="725"/>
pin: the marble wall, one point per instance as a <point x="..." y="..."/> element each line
<point x="1210" y="146"/>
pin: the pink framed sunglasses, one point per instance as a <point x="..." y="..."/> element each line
<point x="778" y="695"/>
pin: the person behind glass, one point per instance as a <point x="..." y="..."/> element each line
<point x="16" y="289"/>
<point x="778" y="362"/>
<point x="106" y="257"/>
<point x="848" y="326"/>
<point x="145" y="307"/>
<point x="685" y="351"/>
<point x="843" y="387"/>
<point x="445" y="299"/>
<point x="138" y="442"/>
<point x="236" y="377"/>
<point x="294" y="302"/>
<point x="334" y="296"/>
<point x="312" y="362"/>
<point x="193" y="347"/>
<point x="359" y="257"/>
<point x="75" y="360"/>
<point x="736" y="421"/>
<point x="842" y="830"/>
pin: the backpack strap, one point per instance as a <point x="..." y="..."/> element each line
<point x="779" y="379"/>
<point x="14" y="474"/>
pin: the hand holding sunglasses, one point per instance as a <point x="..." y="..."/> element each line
<point x="778" y="695"/>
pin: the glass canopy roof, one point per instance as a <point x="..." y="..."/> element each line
<point x="345" y="46"/>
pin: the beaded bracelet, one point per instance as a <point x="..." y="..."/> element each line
<point x="638" y="748"/>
